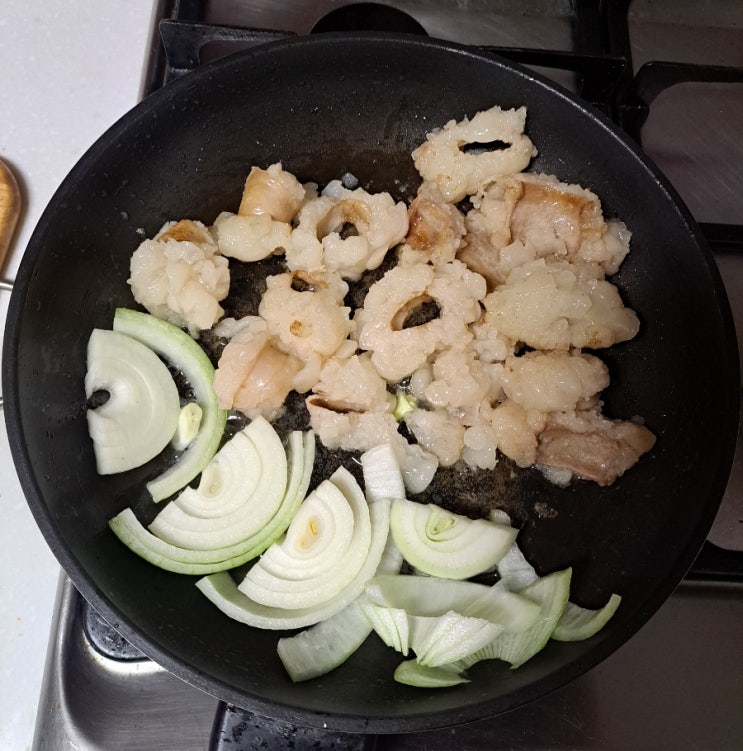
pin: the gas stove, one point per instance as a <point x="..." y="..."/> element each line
<point x="671" y="75"/>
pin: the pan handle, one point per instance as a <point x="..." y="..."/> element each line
<point x="240" y="730"/>
<point x="10" y="211"/>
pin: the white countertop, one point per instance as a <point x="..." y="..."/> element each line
<point x="70" y="69"/>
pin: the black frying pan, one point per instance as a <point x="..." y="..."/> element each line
<point x="324" y="106"/>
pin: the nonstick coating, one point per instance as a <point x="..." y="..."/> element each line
<point x="360" y="103"/>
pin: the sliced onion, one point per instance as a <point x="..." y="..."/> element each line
<point x="227" y="482"/>
<point x="441" y="543"/>
<point x="551" y="594"/>
<point x="232" y="478"/>
<point x="179" y="349"/>
<point x="382" y="475"/>
<point x="412" y="673"/>
<point x="281" y="579"/>
<point x="126" y="526"/>
<point x="183" y="529"/>
<point x="577" y="623"/>
<point x="220" y="588"/>
<point x="449" y="637"/>
<point x="140" y="416"/>
<point x="423" y="595"/>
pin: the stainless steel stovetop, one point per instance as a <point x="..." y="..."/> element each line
<point x="678" y="683"/>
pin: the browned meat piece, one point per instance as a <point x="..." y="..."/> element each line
<point x="524" y="217"/>
<point x="551" y="209"/>
<point x="601" y="454"/>
<point x="187" y="230"/>
<point x="480" y="255"/>
<point x="252" y="376"/>
<point x="271" y="191"/>
<point x="435" y="229"/>
<point x="345" y="212"/>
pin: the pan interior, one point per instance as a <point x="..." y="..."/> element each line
<point x="360" y="103"/>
